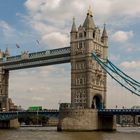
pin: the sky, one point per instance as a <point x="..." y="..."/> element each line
<point x="23" y="22"/>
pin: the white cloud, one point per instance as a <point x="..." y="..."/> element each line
<point x="56" y="40"/>
<point x="44" y="86"/>
<point x="114" y="57"/>
<point x="37" y="99"/>
<point x="6" y="28"/>
<point x="122" y="36"/>
<point x="131" y="65"/>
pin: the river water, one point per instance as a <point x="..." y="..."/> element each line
<point x="40" y="133"/>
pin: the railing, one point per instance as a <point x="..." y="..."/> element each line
<point x="35" y="55"/>
<point x="27" y="60"/>
<point x="15" y="114"/>
<point x="119" y="111"/>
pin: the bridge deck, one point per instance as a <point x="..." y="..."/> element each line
<point x="15" y="114"/>
<point x="119" y="112"/>
<point x="44" y="58"/>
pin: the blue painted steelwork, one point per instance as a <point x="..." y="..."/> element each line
<point x="119" y="112"/>
<point x="134" y="81"/>
<point x="55" y="113"/>
<point x="133" y="88"/>
<point x="15" y="114"/>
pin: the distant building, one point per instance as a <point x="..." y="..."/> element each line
<point x="125" y="120"/>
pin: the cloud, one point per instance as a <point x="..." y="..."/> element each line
<point x="113" y="57"/>
<point x="131" y="64"/>
<point x="122" y="36"/>
<point x="37" y="99"/>
<point x="56" y="40"/>
<point x="6" y="28"/>
<point x="54" y="18"/>
<point x="44" y="86"/>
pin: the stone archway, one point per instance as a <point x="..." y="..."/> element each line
<point x="97" y="102"/>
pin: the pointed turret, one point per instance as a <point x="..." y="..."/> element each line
<point x="7" y="52"/>
<point x="104" y="37"/>
<point x="73" y="29"/>
<point x="104" y="32"/>
<point x="89" y="22"/>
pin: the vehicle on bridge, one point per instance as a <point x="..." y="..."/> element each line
<point x="35" y="108"/>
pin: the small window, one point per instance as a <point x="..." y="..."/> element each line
<point x="80" y="45"/>
<point x="81" y="81"/>
<point x="80" y="35"/>
<point x="93" y="34"/>
<point x="84" y="34"/>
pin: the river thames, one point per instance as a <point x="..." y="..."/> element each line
<point x="40" y="133"/>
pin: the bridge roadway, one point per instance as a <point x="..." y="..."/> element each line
<point x="55" y="113"/>
<point x="15" y="114"/>
<point x="29" y="60"/>
<point x="119" y="112"/>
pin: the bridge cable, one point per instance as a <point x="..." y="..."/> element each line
<point x="105" y="67"/>
<point x="123" y="72"/>
<point x="125" y="79"/>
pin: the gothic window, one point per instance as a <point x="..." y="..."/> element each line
<point x="93" y="34"/>
<point x="80" y="35"/>
<point x="80" y="45"/>
<point x="81" y="81"/>
<point x="84" y="34"/>
<point x="97" y="81"/>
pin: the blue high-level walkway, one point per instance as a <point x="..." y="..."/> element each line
<point x="36" y="59"/>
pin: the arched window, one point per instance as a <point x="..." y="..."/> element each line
<point x="80" y="45"/>
<point x="84" y="34"/>
<point x="80" y="35"/>
<point x="94" y="34"/>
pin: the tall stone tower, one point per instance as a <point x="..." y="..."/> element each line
<point x="88" y="80"/>
<point x="4" y="82"/>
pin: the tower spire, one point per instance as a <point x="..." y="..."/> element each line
<point x="104" y="37"/>
<point x="89" y="22"/>
<point x="90" y="11"/>
<point x="104" y="31"/>
<point x="7" y="53"/>
<point x="73" y="29"/>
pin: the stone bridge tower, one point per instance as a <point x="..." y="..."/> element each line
<point x="4" y="83"/>
<point x="88" y="80"/>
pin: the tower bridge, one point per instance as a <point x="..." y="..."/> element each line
<point x="87" y="55"/>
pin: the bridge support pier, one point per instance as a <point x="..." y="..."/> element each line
<point x="84" y="120"/>
<point x="9" y="124"/>
<point x="106" y="122"/>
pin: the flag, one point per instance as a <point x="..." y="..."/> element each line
<point x="37" y="41"/>
<point x="17" y="46"/>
